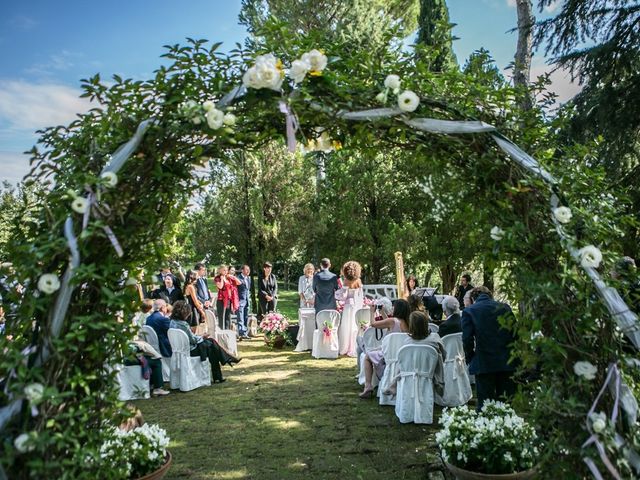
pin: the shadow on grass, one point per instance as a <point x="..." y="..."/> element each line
<point x="283" y="415"/>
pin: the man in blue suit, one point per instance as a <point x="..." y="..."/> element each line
<point x="202" y="288"/>
<point x="244" y="290"/>
<point x="325" y="285"/>
<point x="160" y="324"/>
<point x="487" y="346"/>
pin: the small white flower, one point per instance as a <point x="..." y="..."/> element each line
<point x="408" y="101"/>
<point x="590" y="256"/>
<point x="196" y="120"/>
<point x="48" y="283"/>
<point x="110" y="179"/>
<point x="599" y="425"/>
<point x="381" y="97"/>
<point x="392" y="82"/>
<point x="299" y="70"/>
<point x="316" y="59"/>
<point x="586" y="370"/>
<point x="229" y="119"/>
<point x="497" y="233"/>
<point x="208" y="105"/>
<point x="215" y="119"/>
<point x="562" y="214"/>
<point x="80" y="205"/>
<point x="22" y="443"/>
<point x="34" y="392"/>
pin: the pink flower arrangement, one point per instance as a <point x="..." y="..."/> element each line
<point x="274" y="323"/>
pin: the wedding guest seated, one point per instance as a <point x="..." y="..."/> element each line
<point x="143" y="354"/>
<point x="160" y="324"/>
<point x="168" y="291"/>
<point x="452" y="324"/>
<point x="415" y="303"/>
<point x="166" y="272"/>
<point x="374" y="360"/>
<point x="140" y="317"/>
<point x="432" y="306"/>
<point x="201" y="346"/>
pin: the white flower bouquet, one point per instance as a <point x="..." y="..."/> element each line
<point x="137" y="452"/>
<point x="493" y="441"/>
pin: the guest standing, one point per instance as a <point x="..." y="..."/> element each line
<point x="305" y="287"/>
<point x="169" y="292"/>
<point x="487" y="346"/>
<point x="244" y="290"/>
<point x="202" y="288"/>
<point x="191" y="296"/>
<point x="452" y="324"/>
<point x="325" y="285"/>
<point x="353" y="299"/>
<point x="268" y="293"/>
<point x="224" y="303"/>
<point x="461" y="290"/>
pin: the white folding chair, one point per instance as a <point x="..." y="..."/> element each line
<point x="371" y="340"/>
<point x="132" y="385"/>
<point x="415" y="393"/>
<point x="226" y="338"/>
<point x="150" y="336"/>
<point x="307" y="325"/>
<point x="391" y="343"/>
<point x="187" y="372"/>
<point x="457" y="387"/>
<point x="363" y="318"/>
<point x="433" y="328"/>
<point x="325" y="345"/>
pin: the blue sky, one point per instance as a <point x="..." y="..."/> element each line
<point x="46" y="47"/>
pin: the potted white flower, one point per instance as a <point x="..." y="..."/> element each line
<point x="492" y="444"/>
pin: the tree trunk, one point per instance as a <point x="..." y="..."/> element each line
<point x="522" y="66"/>
<point x="487" y="277"/>
<point x="448" y="276"/>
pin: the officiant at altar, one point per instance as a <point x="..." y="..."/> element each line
<point x="305" y="287"/>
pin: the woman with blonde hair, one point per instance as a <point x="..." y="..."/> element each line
<point x="353" y="297"/>
<point x="305" y="286"/>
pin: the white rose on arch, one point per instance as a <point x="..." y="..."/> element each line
<point x="34" y="392"/>
<point x="110" y="179"/>
<point x="586" y="370"/>
<point x="598" y="421"/>
<point x="299" y="70"/>
<point x="265" y="73"/>
<point x="590" y="256"/>
<point x="215" y="119"/>
<point x="392" y="82"/>
<point x="48" y="283"/>
<point x="497" y="233"/>
<point x="80" y="205"/>
<point x="408" y="101"/>
<point x="23" y="443"/>
<point x="317" y="61"/>
<point x="562" y="214"/>
<point x="229" y="119"/>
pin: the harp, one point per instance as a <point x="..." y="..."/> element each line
<point x="400" y="281"/>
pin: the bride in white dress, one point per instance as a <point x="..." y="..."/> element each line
<point x="353" y="298"/>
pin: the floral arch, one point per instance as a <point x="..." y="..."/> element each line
<point x="99" y="218"/>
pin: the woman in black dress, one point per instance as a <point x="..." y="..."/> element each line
<point x="268" y="291"/>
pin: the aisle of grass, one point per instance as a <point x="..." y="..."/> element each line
<point x="284" y="415"/>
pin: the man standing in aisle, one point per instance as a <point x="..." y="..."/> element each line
<point x="325" y="285"/>
<point x="202" y="288"/>
<point x="487" y="346"/>
<point x="244" y="290"/>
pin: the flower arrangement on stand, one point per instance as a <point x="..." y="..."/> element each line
<point x="494" y="441"/>
<point x="144" y="450"/>
<point x="274" y="326"/>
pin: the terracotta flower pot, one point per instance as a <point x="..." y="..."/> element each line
<point x="161" y="472"/>
<point x="462" y="474"/>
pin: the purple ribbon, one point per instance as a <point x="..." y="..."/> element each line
<point x="292" y="126"/>
<point x="612" y="375"/>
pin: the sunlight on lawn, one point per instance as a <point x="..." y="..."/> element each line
<point x="281" y="424"/>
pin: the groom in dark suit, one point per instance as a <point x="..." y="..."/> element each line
<point x="325" y="285"/>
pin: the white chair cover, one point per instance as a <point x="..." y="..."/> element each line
<point x="210" y="322"/>
<point x="416" y="367"/>
<point x="323" y="346"/>
<point x="226" y="338"/>
<point x="132" y="385"/>
<point x="457" y="387"/>
<point x="433" y="328"/>
<point x="150" y="336"/>
<point x="307" y="324"/>
<point x="187" y="372"/>
<point x="391" y="343"/>
<point x="370" y="343"/>
<point x="363" y="318"/>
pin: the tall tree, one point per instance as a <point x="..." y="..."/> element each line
<point x="434" y="31"/>
<point x="522" y="66"/>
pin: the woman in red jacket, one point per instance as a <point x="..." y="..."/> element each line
<point x="226" y="285"/>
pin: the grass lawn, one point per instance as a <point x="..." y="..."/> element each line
<point x="284" y="415"/>
<point x="288" y="304"/>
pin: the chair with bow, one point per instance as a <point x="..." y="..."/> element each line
<point x="391" y="343"/>
<point x="325" y="337"/>
<point x="371" y="340"/>
<point x="187" y="372"/>
<point x="307" y="323"/>
<point x="150" y="336"/>
<point x="415" y="392"/>
<point x="226" y="338"/>
<point x="457" y="387"/>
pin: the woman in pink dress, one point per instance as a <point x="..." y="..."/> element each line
<point x="353" y="298"/>
<point x="374" y="360"/>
